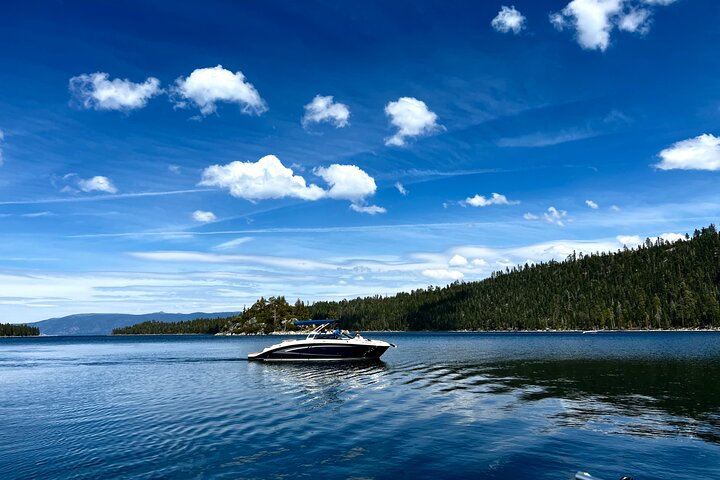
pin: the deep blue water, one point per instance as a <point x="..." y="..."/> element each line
<point x="485" y="406"/>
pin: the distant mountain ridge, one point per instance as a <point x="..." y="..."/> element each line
<point x="103" y="323"/>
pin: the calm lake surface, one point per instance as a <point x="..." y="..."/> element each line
<point x="486" y="406"/>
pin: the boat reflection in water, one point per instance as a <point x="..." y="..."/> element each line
<point x="321" y="345"/>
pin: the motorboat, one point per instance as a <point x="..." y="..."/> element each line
<point x="323" y="344"/>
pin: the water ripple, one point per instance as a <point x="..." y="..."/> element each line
<point x="441" y="406"/>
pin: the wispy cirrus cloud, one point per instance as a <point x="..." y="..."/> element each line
<point x="543" y="139"/>
<point x="96" y="198"/>
<point x="552" y="215"/>
<point x="205" y="257"/>
<point x="37" y="214"/>
<point x="28" y="215"/>
<point x="97" y="91"/>
<point x="369" y="209"/>
<point x="234" y="243"/>
<point x="476" y="261"/>
<point x="224" y="281"/>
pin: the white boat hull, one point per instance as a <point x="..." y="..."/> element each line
<point x="322" y="350"/>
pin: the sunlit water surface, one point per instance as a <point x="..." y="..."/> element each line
<point x="485" y="406"/>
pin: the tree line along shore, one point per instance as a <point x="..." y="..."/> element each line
<point x="17" y="330"/>
<point x="659" y="285"/>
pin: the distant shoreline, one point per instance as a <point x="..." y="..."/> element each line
<point x="588" y="332"/>
<point x="288" y="334"/>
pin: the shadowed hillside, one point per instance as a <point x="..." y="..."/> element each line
<point x="104" y="323"/>
<point x="659" y="285"/>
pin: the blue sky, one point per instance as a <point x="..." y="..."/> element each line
<point x="169" y="156"/>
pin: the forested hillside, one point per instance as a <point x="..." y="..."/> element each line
<point x="659" y="285"/>
<point x="154" y="327"/>
<point x="14" y="330"/>
<point x="104" y="323"/>
<point x="265" y="316"/>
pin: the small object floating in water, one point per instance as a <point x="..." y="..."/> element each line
<point x="321" y="345"/>
<point x="587" y="476"/>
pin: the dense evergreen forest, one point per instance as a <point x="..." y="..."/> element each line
<point x="209" y="326"/>
<point x="659" y="285"/>
<point x="265" y="316"/>
<point x="12" y="330"/>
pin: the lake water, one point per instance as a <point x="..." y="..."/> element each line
<point x="440" y="406"/>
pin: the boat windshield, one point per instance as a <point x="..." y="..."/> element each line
<point x="333" y="335"/>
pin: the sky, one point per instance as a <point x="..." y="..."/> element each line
<point x="182" y="157"/>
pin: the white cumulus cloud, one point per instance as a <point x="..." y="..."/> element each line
<point x="204" y="87"/>
<point x="97" y="183"/>
<point x="203" y="216"/>
<point x="443" y="274"/>
<point x="508" y="19"/>
<point x="412" y="117"/>
<point x="479" y="263"/>
<point x="594" y="20"/>
<point x="264" y="179"/>
<point x="269" y="178"/>
<point x="400" y="188"/>
<point x="495" y="199"/>
<point x="347" y="182"/>
<point x="458" y="261"/>
<point x="530" y="216"/>
<point x="672" y="237"/>
<point x="324" y="109"/>
<point x="699" y="153"/>
<point x="97" y="91"/>
<point x="629" y="240"/>
<point x="591" y="204"/>
<point x="632" y="241"/>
